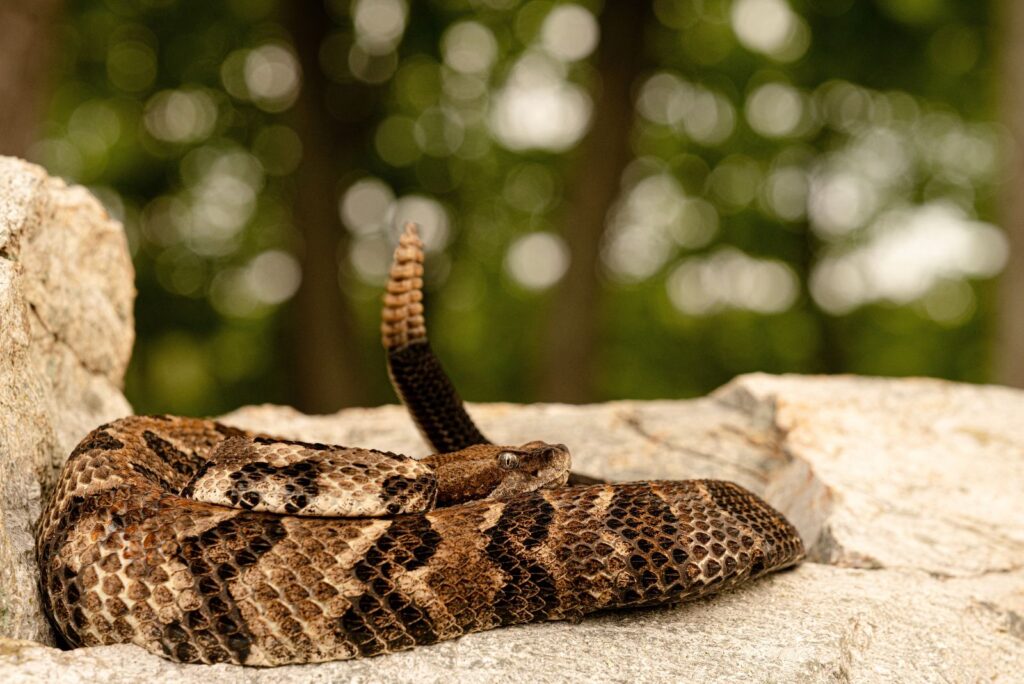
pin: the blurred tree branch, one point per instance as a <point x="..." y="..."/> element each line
<point x="1009" y="356"/>
<point x="572" y="325"/>
<point x="327" y="358"/>
<point x="26" y="49"/>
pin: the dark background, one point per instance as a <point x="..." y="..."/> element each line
<point x="620" y="199"/>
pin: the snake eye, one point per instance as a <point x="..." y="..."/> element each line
<point x="508" y="460"/>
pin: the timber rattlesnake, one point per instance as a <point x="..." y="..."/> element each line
<point x="204" y="543"/>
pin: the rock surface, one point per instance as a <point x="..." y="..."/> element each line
<point x="906" y="491"/>
<point x="66" y="332"/>
<point x="908" y="494"/>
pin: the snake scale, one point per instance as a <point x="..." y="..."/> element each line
<point x="204" y="543"/>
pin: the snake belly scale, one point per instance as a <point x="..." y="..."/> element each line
<point x="204" y="543"/>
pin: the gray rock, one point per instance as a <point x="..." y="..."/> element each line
<point x="66" y="332"/>
<point x="907" y="493"/>
<point x="872" y="471"/>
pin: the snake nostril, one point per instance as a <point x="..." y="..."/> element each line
<point x="554" y="451"/>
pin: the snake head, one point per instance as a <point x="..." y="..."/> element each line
<point x="534" y="465"/>
<point x="488" y="471"/>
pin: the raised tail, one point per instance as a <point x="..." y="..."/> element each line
<point x="416" y="374"/>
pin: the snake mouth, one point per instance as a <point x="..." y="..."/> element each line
<point x="556" y="472"/>
<point x="551" y="478"/>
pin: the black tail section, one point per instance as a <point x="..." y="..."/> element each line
<point x="435" y="405"/>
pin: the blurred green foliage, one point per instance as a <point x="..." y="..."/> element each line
<point x="809" y="188"/>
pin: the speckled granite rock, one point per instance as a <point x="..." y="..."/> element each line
<point x="907" y="493"/>
<point x="66" y="333"/>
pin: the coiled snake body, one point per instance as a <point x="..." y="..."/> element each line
<point x="204" y="543"/>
